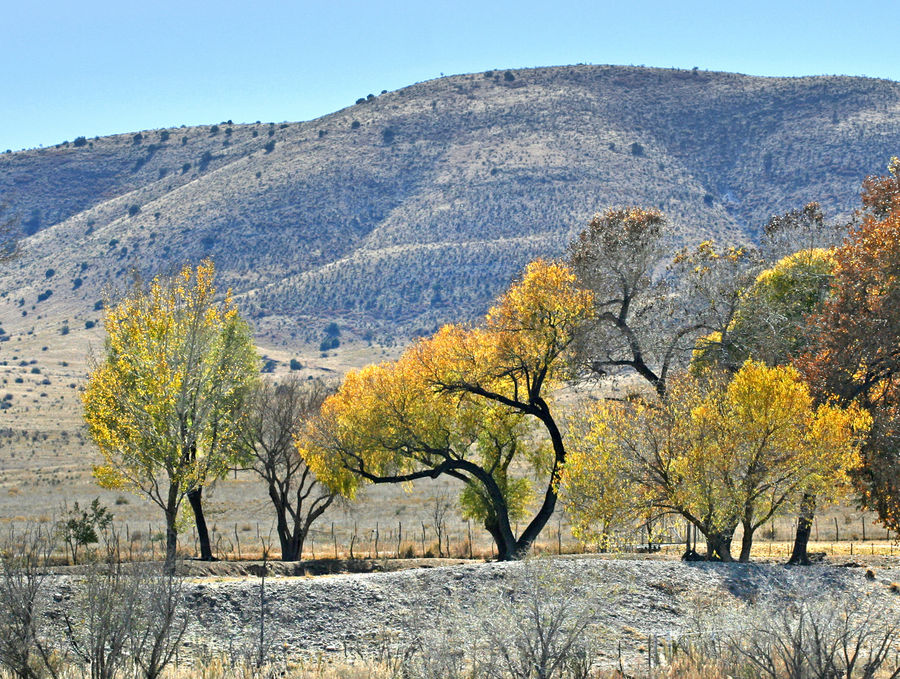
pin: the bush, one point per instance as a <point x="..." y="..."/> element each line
<point x="509" y="77"/>
<point x="78" y="527"/>
<point x="329" y="343"/>
<point x="26" y="647"/>
<point x="361" y="100"/>
<point x="270" y="146"/>
<point x="637" y="149"/>
<point x="89" y="324"/>
<point x="185" y="168"/>
<point x="354" y="125"/>
<point x="387" y="136"/>
<point x="296" y="365"/>
<point x="49" y="273"/>
<point x="214" y="130"/>
<point x="80" y="141"/>
<point x="44" y="295"/>
<point x="797" y="631"/>
<point x="137" y="139"/>
<point x="133" y="210"/>
<point x="164" y="135"/>
<point x="205" y="159"/>
<point x="76" y="283"/>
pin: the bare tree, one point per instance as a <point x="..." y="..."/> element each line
<point x="651" y="308"/>
<point x="275" y="414"/>
<point x="798" y="230"/>
<point x="439" y="508"/>
<point x="161" y="621"/>
<point x="25" y="646"/>
<point x="100" y="622"/>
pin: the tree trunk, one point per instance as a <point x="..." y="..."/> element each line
<point x="292" y="546"/>
<point x="799" y="555"/>
<point x="548" y="506"/>
<point x="746" y="543"/>
<point x="718" y="545"/>
<point x="506" y="544"/>
<point x="195" y="497"/>
<point x="288" y="551"/>
<point x="171" y="543"/>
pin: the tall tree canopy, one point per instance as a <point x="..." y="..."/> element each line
<point x="164" y="402"/>
<point x="472" y="403"/>
<point x="770" y="320"/>
<point x="854" y="352"/>
<point x="720" y="451"/>
<point x="651" y="308"/>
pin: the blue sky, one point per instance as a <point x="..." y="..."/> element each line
<point x="102" y="67"/>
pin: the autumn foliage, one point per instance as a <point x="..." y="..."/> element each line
<point x="719" y="451"/>
<point x="471" y="403"/>
<point x="854" y="354"/>
<point x="163" y="403"/>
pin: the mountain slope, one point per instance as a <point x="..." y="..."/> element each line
<point x="417" y="207"/>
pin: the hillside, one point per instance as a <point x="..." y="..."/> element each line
<point x="417" y="206"/>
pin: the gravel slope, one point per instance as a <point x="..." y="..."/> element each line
<point x="355" y="615"/>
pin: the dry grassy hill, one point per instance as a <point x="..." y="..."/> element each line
<point x="417" y="206"/>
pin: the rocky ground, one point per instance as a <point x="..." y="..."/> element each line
<point x="627" y="601"/>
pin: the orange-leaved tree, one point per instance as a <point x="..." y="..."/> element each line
<point x="472" y="403"/>
<point x="164" y="402"/>
<point x="854" y="351"/>
<point x="721" y="451"/>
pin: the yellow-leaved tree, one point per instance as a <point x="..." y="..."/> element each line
<point x="164" y="402"/>
<point x="769" y="323"/>
<point x="471" y="403"/>
<point x="721" y="451"/>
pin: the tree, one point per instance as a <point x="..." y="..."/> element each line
<point x="800" y="230"/>
<point x="164" y="403"/>
<point x="647" y="316"/>
<point x="275" y="415"/>
<point x="853" y="352"/>
<point x="467" y="402"/>
<point x="79" y="527"/>
<point x="769" y="323"/>
<point x="718" y="450"/>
